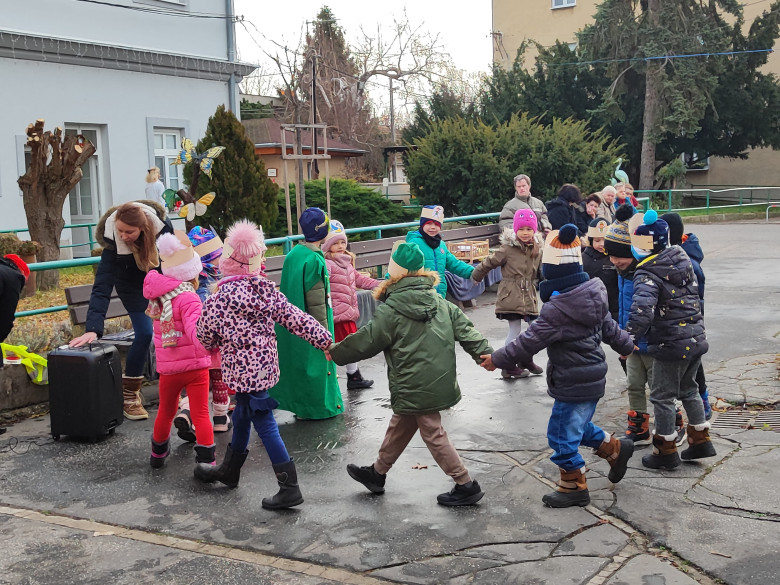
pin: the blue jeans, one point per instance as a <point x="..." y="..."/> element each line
<point x="568" y="428"/>
<point x="139" y="350"/>
<point x="247" y="414"/>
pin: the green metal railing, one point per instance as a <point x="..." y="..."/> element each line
<point x="739" y="195"/>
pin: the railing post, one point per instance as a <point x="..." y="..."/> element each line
<point x="378" y="235"/>
<point x="89" y="236"/>
<point x="287" y="246"/>
<point x="669" y="199"/>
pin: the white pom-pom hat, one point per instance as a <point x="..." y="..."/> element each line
<point x="243" y="250"/>
<point x="178" y="259"/>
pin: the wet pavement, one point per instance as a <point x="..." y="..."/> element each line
<point x="75" y="512"/>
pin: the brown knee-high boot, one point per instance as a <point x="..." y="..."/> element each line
<point x="131" y="393"/>
<point x="664" y="455"/>
<point x="572" y="490"/>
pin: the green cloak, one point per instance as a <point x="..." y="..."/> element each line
<point x="307" y="384"/>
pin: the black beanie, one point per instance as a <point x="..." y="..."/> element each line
<point x="676" y="227"/>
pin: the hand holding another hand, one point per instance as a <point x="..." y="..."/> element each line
<point x="487" y="362"/>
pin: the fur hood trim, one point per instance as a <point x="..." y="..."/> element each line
<point x="100" y="229"/>
<point x="379" y="292"/>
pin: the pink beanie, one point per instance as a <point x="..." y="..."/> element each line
<point x="525" y="218"/>
<point x="242" y="250"/>
<point x="335" y="234"/>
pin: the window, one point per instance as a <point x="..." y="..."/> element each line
<point x="85" y="195"/>
<point x="166" y="148"/>
<point x="695" y="162"/>
<point x="563" y="3"/>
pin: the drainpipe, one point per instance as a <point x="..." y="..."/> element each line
<point x="231" y="56"/>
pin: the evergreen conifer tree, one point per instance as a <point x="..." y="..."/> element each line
<point x="238" y="177"/>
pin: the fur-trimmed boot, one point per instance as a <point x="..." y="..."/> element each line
<point x="228" y="473"/>
<point x="699" y="443"/>
<point x="289" y="493"/>
<point x="159" y="454"/>
<point x="664" y="455"/>
<point x="572" y="490"/>
<point x="133" y="405"/>
<point x="617" y="452"/>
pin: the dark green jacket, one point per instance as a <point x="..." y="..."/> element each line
<point x="417" y="330"/>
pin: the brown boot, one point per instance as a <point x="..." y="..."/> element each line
<point x="699" y="444"/>
<point x="572" y="490"/>
<point x="133" y="402"/>
<point x="664" y="455"/>
<point x="617" y="452"/>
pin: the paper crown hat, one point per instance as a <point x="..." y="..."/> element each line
<point x="178" y="259"/>
<point x="432" y="213"/>
<point x="598" y="228"/>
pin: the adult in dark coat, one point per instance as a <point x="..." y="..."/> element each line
<point x="13" y="275"/>
<point x="128" y="234"/>
<point x="566" y="208"/>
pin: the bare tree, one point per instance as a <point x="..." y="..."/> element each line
<point x="55" y="169"/>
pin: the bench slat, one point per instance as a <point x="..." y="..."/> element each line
<point x="78" y="313"/>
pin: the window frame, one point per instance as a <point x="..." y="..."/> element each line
<point x="566" y="4"/>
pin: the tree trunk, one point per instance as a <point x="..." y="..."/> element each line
<point x="653" y="90"/>
<point x="55" y="169"/>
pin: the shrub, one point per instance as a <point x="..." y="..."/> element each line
<point x="11" y="244"/>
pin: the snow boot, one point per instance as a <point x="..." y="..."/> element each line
<point x="512" y="373"/>
<point x="357" y="382"/>
<point x="369" y="477"/>
<point x="617" y="452"/>
<point x="133" y="403"/>
<point x="160" y="453"/>
<point x="222" y="423"/>
<point x="228" y="473"/>
<point x="699" y="443"/>
<point x="572" y="490"/>
<point x="205" y="454"/>
<point x="183" y="422"/>
<point x="679" y="427"/>
<point x="466" y="494"/>
<point x="289" y="493"/>
<point x="638" y="429"/>
<point x="535" y="369"/>
<point x="664" y="455"/>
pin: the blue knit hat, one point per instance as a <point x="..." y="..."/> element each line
<point x="650" y="236"/>
<point x="315" y="224"/>
<point x="561" y="262"/>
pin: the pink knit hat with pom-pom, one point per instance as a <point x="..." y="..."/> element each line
<point x="243" y="249"/>
<point x="178" y="259"/>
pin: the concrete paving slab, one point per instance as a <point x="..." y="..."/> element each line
<point x="603" y="540"/>
<point x="512" y="553"/>
<point x="558" y="570"/>
<point x="648" y="570"/>
<point x="434" y="571"/>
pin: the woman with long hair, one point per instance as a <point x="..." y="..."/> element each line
<point x="128" y="234"/>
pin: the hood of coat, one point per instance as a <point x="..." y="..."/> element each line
<point x="245" y="288"/>
<point x="671" y="264"/>
<point x="586" y="304"/>
<point x="414" y="297"/>
<point x="157" y="284"/>
<point x="509" y="238"/>
<point x="152" y="208"/>
<point x="693" y="248"/>
<point x="557" y="202"/>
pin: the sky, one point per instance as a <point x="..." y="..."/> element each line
<point x="463" y="27"/>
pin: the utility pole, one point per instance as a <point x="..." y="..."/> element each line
<point x="392" y="133"/>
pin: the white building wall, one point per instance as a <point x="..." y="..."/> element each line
<point x="124" y="103"/>
<point x="141" y="24"/>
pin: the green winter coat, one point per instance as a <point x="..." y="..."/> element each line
<point x="307" y="384"/>
<point x="417" y="331"/>
<point x="439" y="260"/>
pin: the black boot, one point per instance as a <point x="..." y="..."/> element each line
<point x="289" y="493"/>
<point x="699" y="444"/>
<point x="159" y="453"/>
<point x="572" y="490"/>
<point x="357" y="382"/>
<point x="466" y="494"/>
<point x="368" y="476"/>
<point x="228" y="473"/>
<point x="205" y="454"/>
<point x="664" y="455"/>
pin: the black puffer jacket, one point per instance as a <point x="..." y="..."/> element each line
<point x="11" y="284"/>
<point x="119" y="270"/>
<point x="597" y="265"/>
<point x="571" y="326"/>
<point x="666" y="306"/>
<point x="560" y="212"/>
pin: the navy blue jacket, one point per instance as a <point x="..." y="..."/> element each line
<point x="11" y="285"/>
<point x="571" y="326"/>
<point x="693" y="249"/>
<point x="667" y="308"/>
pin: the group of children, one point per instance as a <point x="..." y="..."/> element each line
<point x="275" y="348"/>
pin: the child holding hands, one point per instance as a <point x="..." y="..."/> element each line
<point x="344" y="282"/>
<point x="239" y="319"/>
<point x="573" y="322"/>
<point x="519" y="258"/>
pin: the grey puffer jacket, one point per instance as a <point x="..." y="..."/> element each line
<point x="667" y="307"/>
<point x="571" y="326"/>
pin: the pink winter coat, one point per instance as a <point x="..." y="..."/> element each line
<point x="344" y="282"/>
<point x="239" y="319"/>
<point x="189" y="354"/>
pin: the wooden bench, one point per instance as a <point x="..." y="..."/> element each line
<point x="78" y="297"/>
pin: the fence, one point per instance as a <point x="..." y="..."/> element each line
<point x="697" y="199"/>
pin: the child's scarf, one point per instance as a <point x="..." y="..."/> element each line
<point x="161" y="308"/>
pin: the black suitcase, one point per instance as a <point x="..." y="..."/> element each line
<point x="85" y="391"/>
